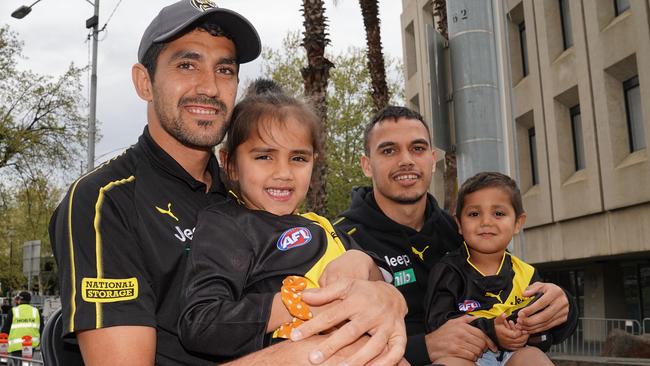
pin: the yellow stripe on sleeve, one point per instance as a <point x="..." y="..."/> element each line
<point x="98" y="239"/>
<point x="334" y="249"/>
<point x="73" y="281"/>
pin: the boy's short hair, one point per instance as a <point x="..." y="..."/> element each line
<point x="490" y="180"/>
<point x="394" y="113"/>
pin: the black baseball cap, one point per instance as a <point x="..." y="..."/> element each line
<point x="173" y="20"/>
<point x="24" y="296"/>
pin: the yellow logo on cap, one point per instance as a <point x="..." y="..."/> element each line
<point x="203" y="5"/>
<point x="109" y="290"/>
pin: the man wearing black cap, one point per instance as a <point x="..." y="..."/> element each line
<point x="122" y="233"/>
<point x="22" y="320"/>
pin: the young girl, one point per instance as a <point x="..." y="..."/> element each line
<point x="244" y="247"/>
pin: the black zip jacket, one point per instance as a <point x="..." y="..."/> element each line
<point x="238" y="260"/>
<point x="457" y="288"/>
<point x="409" y="253"/>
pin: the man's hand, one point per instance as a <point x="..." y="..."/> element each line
<point x="295" y="353"/>
<point x="550" y="310"/>
<point x="457" y="338"/>
<point x="372" y="307"/>
<point x="353" y="264"/>
<point x="510" y="337"/>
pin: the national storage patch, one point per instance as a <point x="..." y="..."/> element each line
<point x="108" y="289"/>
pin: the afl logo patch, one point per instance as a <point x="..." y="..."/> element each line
<point x="295" y="237"/>
<point x="468" y="306"/>
<point x="203" y="5"/>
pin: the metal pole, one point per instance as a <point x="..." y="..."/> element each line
<point x="93" y="94"/>
<point x="477" y="105"/>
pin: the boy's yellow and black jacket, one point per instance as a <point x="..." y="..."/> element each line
<point x="457" y="287"/>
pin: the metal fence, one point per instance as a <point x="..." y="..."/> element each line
<point x="10" y="360"/>
<point x="589" y="337"/>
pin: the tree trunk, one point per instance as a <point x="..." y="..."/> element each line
<point x="450" y="177"/>
<point x="450" y="174"/>
<point x="376" y="67"/>
<point x="315" y="76"/>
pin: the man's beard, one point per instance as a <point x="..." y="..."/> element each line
<point x="175" y="127"/>
<point x="406" y="200"/>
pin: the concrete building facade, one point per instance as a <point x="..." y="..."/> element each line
<point x="578" y="128"/>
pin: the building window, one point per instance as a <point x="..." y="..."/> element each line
<point x="565" y="18"/>
<point x="633" y="114"/>
<point x="644" y="282"/>
<point x="523" y="47"/>
<point x="578" y="142"/>
<point x="572" y="281"/>
<point x="411" y="55"/>
<point x="621" y="6"/>
<point x="533" y="155"/>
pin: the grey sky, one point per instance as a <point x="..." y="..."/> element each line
<point x="54" y="35"/>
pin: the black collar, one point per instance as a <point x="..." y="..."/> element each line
<point x="165" y="162"/>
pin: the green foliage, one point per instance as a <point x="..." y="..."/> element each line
<point x="42" y="136"/>
<point x="350" y="106"/>
<point x="24" y="215"/>
<point x="41" y="123"/>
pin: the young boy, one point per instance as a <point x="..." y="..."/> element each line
<point x="483" y="280"/>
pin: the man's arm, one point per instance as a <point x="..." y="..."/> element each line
<point x="6" y="326"/>
<point x="100" y="326"/>
<point x="457" y="338"/>
<point x="452" y="334"/>
<point x="127" y="345"/>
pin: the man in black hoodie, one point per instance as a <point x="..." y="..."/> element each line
<point x="398" y="220"/>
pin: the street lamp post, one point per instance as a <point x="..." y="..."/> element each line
<point x="92" y="22"/>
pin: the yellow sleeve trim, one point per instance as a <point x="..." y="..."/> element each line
<point x="98" y="240"/>
<point x="334" y="249"/>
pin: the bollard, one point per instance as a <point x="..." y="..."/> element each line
<point x="4" y="343"/>
<point x="27" y="346"/>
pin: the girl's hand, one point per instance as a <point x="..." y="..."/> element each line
<point x="353" y="264"/>
<point x="508" y="334"/>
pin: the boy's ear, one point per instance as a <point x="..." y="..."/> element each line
<point x="521" y="220"/>
<point x="142" y="82"/>
<point x="365" y="166"/>
<point x="460" y="229"/>
<point x="223" y="160"/>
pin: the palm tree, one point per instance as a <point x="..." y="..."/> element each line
<point x="376" y="67"/>
<point x="316" y="75"/>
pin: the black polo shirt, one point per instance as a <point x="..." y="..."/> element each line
<point x="121" y="236"/>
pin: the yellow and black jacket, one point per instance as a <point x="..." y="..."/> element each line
<point x="238" y="260"/>
<point x="457" y="287"/>
<point x="121" y="237"/>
